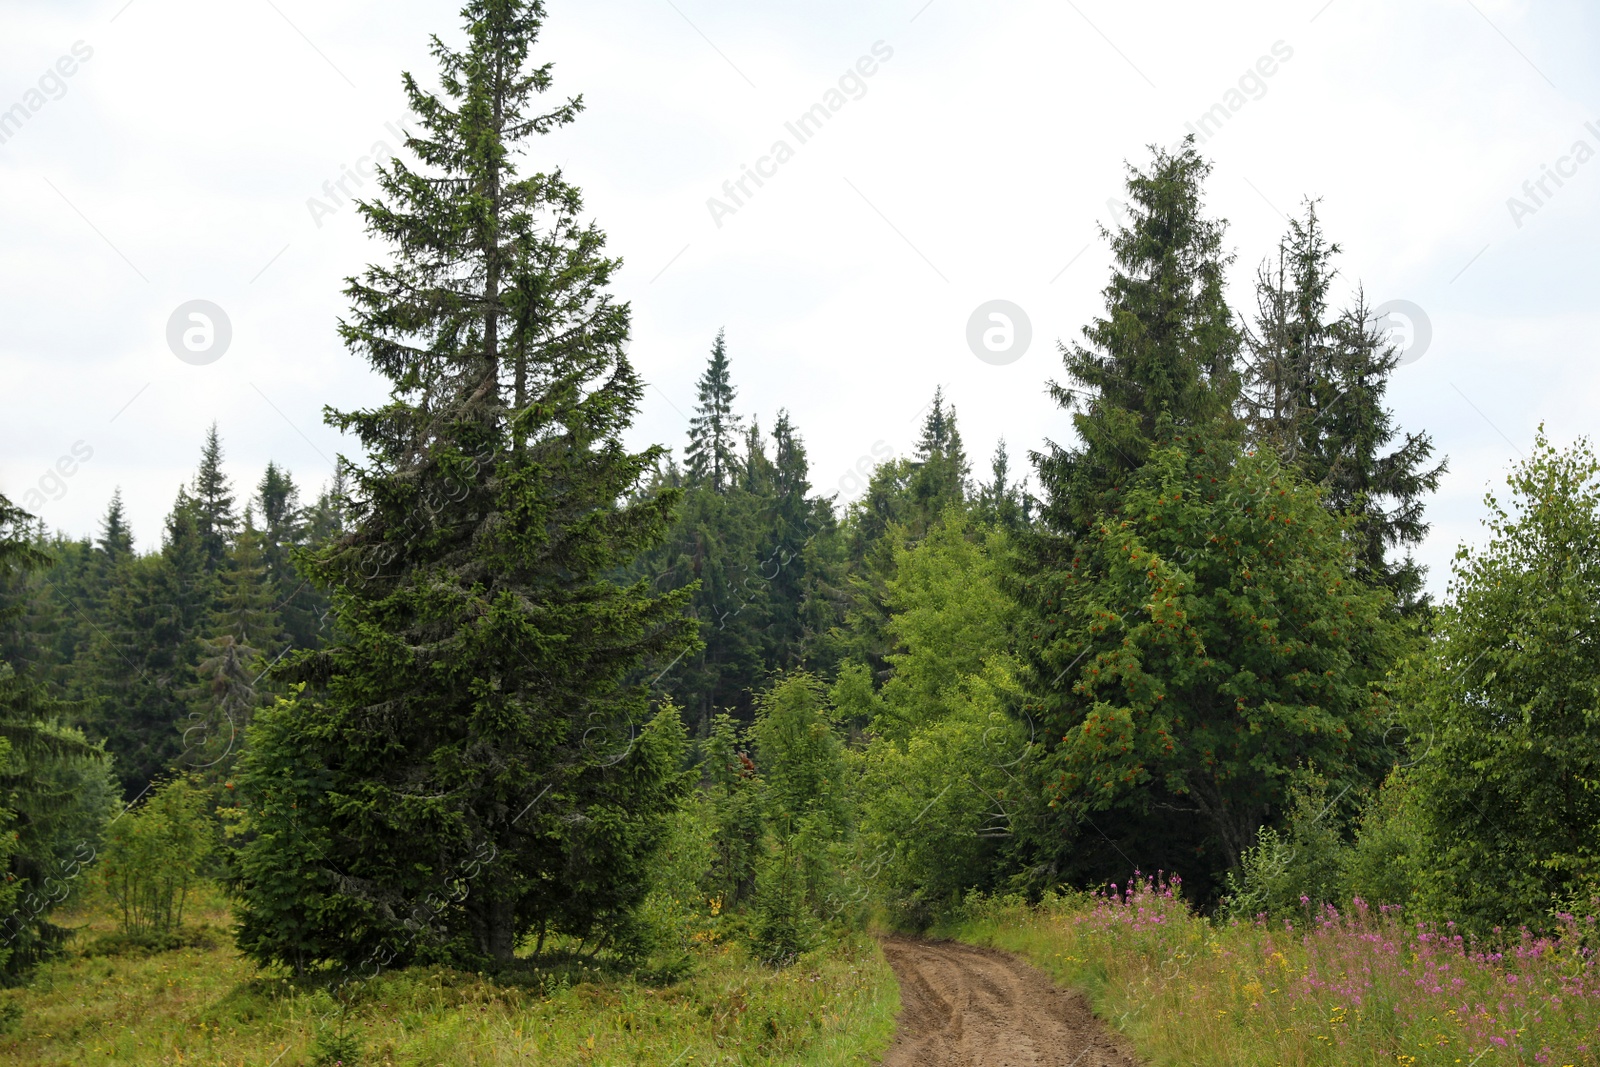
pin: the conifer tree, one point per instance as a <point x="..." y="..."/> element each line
<point x="473" y="763"/>
<point x="943" y="470"/>
<point x="1315" y="385"/>
<point x="212" y="496"/>
<point x="712" y="457"/>
<point x="140" y="659"/>
<point x="1166" y="345"/>
<point x="1384" y="491"/>
<point x="286" y="527"/>
<point x="1290" y="343"/>
<point x="239" y="640"/>
<point x="116" y="540"/>
<point x="797" y="565"/>
<point x="47" y="771"/>
<point x="1001" y="501"/>
<point x="757" y="474"/>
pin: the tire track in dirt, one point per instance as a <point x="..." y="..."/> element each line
<point x="963" y="1006"/>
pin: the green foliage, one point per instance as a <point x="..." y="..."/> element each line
<point x="940" y="777"/>
<point x="749" y="546"/>
<point x="154" y="855"/>
<point x="732" y="803"/>
<point x="806" y="812"/>
<point x="1197" y="648"/>
<point x="1390" y="851"/>
<point x="477" y="763"/>
<point x="1504" y="707"/>
<point x="785" y="923"/>
<point x="1296" y="870"/>
<point x="336" y="1046"/>
<point x="1314" y="392"/>
<point x="712" y="455"/>
<point x="19" y="910"/>
<point x="1166" y="345"/>
<point x="937" y="809"/>
<point x="949" y="618"/>
<point x="904" y="501"/>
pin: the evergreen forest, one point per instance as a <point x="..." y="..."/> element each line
<point x="507" y="698"/>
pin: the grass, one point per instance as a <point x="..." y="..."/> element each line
<point x="1364" y="989"/>
<point x="201" y="1004"/>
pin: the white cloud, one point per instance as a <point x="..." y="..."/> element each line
<point x="974" y="168"/>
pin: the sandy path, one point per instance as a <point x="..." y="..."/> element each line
<point x="971" y="1007"/>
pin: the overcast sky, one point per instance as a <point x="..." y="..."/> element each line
<point x="180" y="158"/>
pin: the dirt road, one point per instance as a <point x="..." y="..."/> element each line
<point x="971" y="1007"/>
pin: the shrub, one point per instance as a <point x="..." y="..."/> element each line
<point x="1299" y="867"/>
<point x="153" y="857"/>
<point x="1502" y="707"/>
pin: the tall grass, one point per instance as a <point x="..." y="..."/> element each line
<point x="204" y="1005"/>
<point x="1362" y="986"/>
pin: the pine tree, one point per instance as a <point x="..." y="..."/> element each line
<point x="711" y="456"/>
<point x="943" y="470"/>
<point x="212" y="496"/>
<point x="240" y="639"/>
<point x="286" y="528"/>
<point x="1167" y="344"/>
<point x="1000" y="501"/>
<point x="1290" y="344"/>
<point x="1316" y="385"/>
<point x="470" y="766"/>
<point x="116" y="540"/>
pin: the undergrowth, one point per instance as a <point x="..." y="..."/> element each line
<point x="1363" y="987"/>
<point x="106" y="1002"/>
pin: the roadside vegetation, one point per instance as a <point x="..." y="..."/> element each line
<point x="1364" y="986"/>
<point x="107" y="1002"/>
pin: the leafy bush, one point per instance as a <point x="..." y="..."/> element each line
<point x="154" y="854"/>
<point x="1297" y="869"/>
<point x="1504" y="708"/>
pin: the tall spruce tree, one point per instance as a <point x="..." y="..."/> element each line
<point x="474" y="764"/>
<point x="1314" y="393"/>
<point x="1166" y="345"/>
<point x="712" y="456"/>
<point x="212" y="496"/>
<point x="140" y="659"/>
<point x="942" y="468"/>
<point x="1001" y="501"/>
<point x="1290" y="343"/>
<point x="116" y="539"/>
<point x="285" y="529"/>
<point x="238" y="641"/>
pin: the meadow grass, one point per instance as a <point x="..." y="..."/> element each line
<point x="1363" y="988"/>
<point x="204" y="1005"/>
